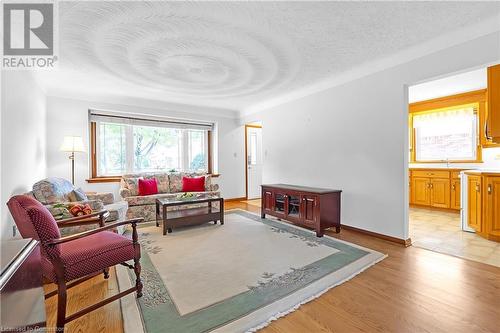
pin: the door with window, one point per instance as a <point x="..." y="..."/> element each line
<point x="254" y="161"/>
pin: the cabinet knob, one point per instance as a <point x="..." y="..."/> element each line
<point x="490" y="189"/>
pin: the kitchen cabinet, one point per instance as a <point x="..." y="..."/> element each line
<point x="421" y="191"/>
<point x="483" y="197"/>
<point x="474" y="202"/>
<point x="492" y="207"/>
<point x="436" y="188"/>
<point x="440" y="192"/>
<point x="493" y="101"/>
<point x="455" y="193"/>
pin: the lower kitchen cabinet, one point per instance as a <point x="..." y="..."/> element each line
<point x="483" y="197"/>
<point x="435" y="188"/>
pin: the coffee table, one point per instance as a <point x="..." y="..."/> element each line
<point x="188" y="216"/>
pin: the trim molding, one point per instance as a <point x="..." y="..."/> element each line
<point x="235" y="199"/>
<point x="400" y="241"/>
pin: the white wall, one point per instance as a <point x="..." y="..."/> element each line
<point x="450" y="85"/>
<point x="22" y="139"/>
<point x="70" y="117"/>
<point x="354" y="137"/>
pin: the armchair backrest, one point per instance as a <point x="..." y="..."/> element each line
<point x="34" y="221"/>
<point x="52" y="190"/>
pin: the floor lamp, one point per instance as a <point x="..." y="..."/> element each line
<point x="72" y="144"/>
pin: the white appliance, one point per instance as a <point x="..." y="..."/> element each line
<point x="463" y="202"/>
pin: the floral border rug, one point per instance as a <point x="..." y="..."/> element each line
<point x="238" y="276"/>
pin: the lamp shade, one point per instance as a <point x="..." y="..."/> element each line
<point x="72" y="144"/>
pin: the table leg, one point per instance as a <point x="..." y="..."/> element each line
<point x="164" y="220"/>
<point x="157" y="214"/>
<point x="221" y="211"/>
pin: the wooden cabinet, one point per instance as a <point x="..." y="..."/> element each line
<point x="492" y="207"/>
<point x="440" y="192"/>
<point x="455" y="193"/>
<point x="474" y="202"/>
<point x="493" y="118"/>
<point x="483" y="197"/>
<point x="435" y="188"/>
<point x="421" y="191"/>
<point x="309" y="214"/>
<point x="307" y="206"/>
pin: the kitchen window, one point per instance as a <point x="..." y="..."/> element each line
<point x="446" y="135"/>
<point x="124" y="144"/>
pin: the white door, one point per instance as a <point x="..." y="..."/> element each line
<point x="254" y="161"/>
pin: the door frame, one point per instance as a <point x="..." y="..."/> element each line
<point x="246" y="155"/>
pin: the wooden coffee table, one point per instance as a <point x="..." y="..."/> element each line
<point x="188" y="216"/>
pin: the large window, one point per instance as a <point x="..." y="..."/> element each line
<point x="124" y="145"/>
<point x="446" y="135"/>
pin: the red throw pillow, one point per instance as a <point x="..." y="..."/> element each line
<point x="148" y="186"/>
<point x="193" y="184"/>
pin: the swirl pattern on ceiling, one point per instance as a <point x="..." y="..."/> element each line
<point x="179" y="51"/>
<point x="234" y="55"/>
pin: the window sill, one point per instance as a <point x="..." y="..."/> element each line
<point x="116" y="179"/>
<point x="104" y="179"/>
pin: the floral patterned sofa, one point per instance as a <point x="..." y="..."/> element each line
<point x="169" y="185"/>
<point x="56" y="194"/>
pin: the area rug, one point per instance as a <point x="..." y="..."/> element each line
<point x="238" y="276"/>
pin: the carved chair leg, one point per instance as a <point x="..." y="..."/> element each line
<point x="106" y="273"/>
<point x="61" y="306"/>
<point x="138" y="282"/>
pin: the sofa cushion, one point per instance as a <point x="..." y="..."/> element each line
<point x="147" y="186"/>
<point x="132" y="184"/>
<point x="52" y="190"/>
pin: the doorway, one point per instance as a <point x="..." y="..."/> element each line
<point x="253" y="160"/>
<point x="447" y="141"/>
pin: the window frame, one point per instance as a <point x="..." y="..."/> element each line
<point x="96" y="178"/>
<point x="475" y="98"/>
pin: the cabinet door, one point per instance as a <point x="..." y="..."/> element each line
<point x="309" y="212"/>
<point x="455" y="194"/>
<point x="440" y="193"/>
<point x="420" y="191"/>
<point x="267" y="200"/>
<point x="474" y="202"/>
<point x="293" y="207"/>
<point x="494" y="103"/>
<point x="279" y="203"/>
<point x="492" y="218"/>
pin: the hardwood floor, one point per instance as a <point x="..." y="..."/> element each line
<point x="413" y="290"/>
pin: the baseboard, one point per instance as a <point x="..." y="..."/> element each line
<point x="448" y="210"/>
<point x="400" y="241"/>
<point x="235" y="199"/>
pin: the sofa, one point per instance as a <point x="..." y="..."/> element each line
<point x="169" y="186"/>
<point x="56" y="194"/>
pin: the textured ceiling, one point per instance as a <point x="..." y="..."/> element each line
<point x="235" y="54"/>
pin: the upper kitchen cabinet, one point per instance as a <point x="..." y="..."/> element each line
<point x="493" y="117"/>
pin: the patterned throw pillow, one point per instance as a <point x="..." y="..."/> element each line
<point x="77" y="195"/>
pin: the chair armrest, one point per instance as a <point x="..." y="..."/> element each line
<point x="70" y="238"/>
<point x="102" y="215"/>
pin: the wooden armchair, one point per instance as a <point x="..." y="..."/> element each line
<point x="71" y="260"/>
